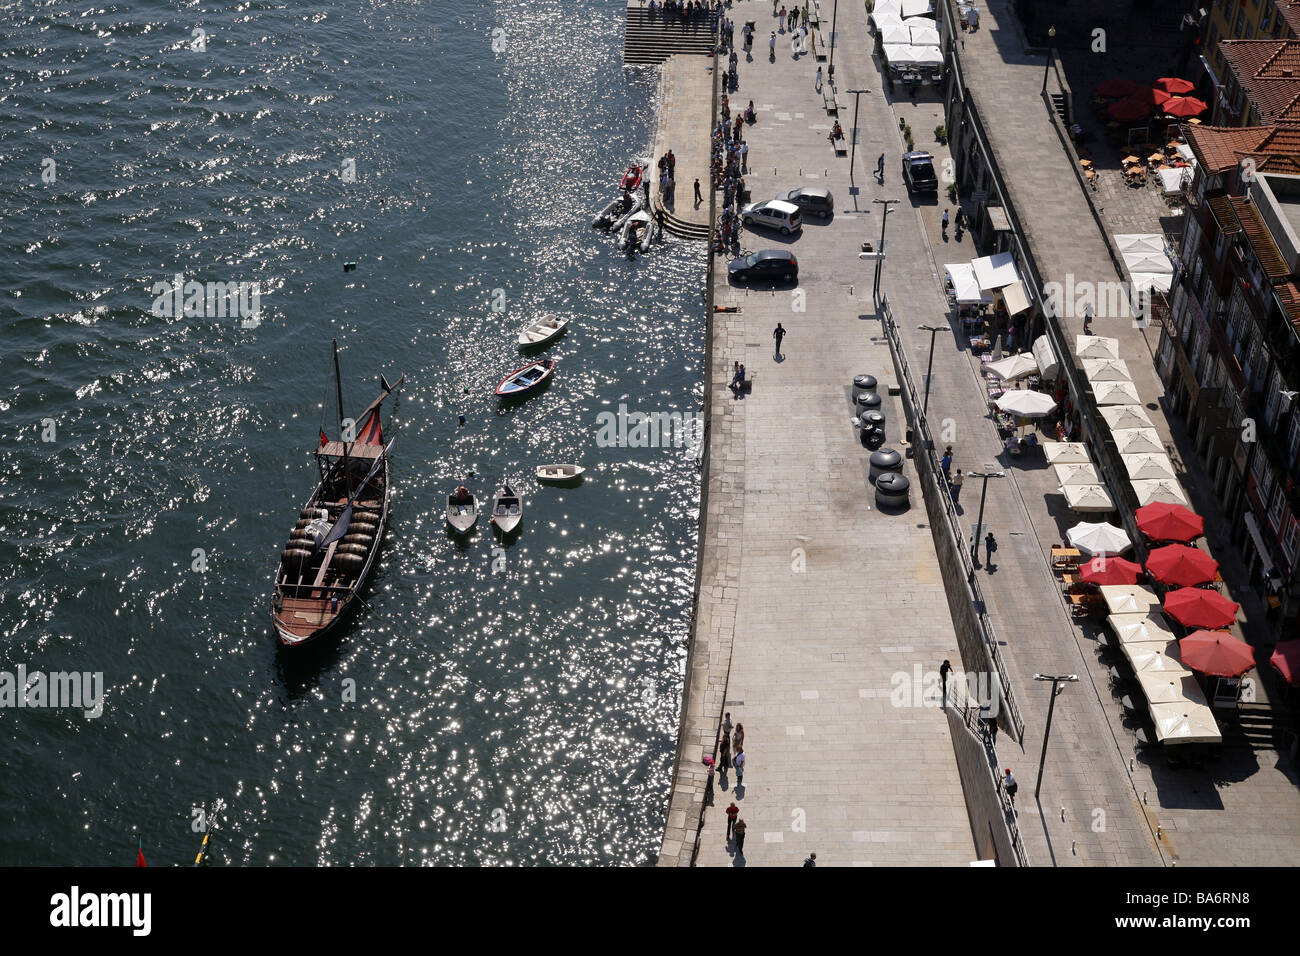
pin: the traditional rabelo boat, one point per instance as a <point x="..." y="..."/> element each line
<point x="333" y="546"/>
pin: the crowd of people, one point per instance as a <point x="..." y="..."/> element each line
<point x="667" y="176"/>
<point x="690" y="10"/>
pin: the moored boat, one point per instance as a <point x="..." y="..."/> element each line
<point x="631" y="178"/>
<point x="332" y="548"/>
<point x="559" y="473"/>
<point x="525" y="379"/>
<point x="507" y="509"/>
<point x="543" y="331"/>
<point x="462" y="510"/>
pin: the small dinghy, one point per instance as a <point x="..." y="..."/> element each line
<point x="637" y="227"/>
<point x="542" y="331"/>
<point x="507" y="509"/>
<point x="631" y="179"/>
<point x="559" y="473"/>
<point x="617" y="207"/>
<point x="526" y="379"/>
<point x="638" y="204"/>
<point x="462" y="510"/>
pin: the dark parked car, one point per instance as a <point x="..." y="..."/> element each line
<point x="770" y="264"/>
<point x="813" y="200"/>
<point x="918" y="172"/>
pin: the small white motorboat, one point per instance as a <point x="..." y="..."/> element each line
<point x="542" y="332"/>
<point x="559" y="473"/>
<point x="638" y="204"/>
<point x="462" y="510"/>
<point x="637" y="227"/>
<point x="507" y="509"/>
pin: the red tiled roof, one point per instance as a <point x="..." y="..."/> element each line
<point x="1268" y="71"/>
<point x="1288" y="296"/>
<point x="1275" y="149"/>
<point x="1221" y="209"/>
<point x="1290" y="11"/>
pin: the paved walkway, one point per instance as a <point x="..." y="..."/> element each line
<point x="812" y="600"/>
<point x="685" y="94"/>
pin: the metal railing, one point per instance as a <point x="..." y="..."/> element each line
<point x="970" y="719"/>
<point x="924" y="445"/>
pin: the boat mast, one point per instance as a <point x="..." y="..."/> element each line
<point x="338" y="390"/>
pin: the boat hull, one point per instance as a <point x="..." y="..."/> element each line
<point x="510" y="388"/>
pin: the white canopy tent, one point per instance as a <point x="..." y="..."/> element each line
<point x="1098" y="537"/>
<point x="1096" y="347"/>
<point x="908" y="54"/>
<point x="1155" y="657"/>
<point x="1048" y="366"/>
<point x="1139" y="628"/>
<point x="923" y="31"/>
<point x="1015" y="367"/>
<point x="1128" y="598"/>
<point x="1115" y="393"/>
<point x="1106" y="370"/>
<point x="1026" y="404"/>
<point x="1138" y="441"/>
<point x="886" y="7"/>
<point x="1087" y="498"/>
<point x="1076" y="474"/>
<point x="1126" y="416"/>
<point x="1066" y="453"/>
<point x="1172" y="181"/>
<point x="1148" y="467"/>
<point x="965" y="288"/>
<point x="895" y="34"/>
<point x="917" y="8"/>
<point x="1185" y="722"/>
<point x="1144" y="256"/>
<point x="887" y="18"/>
<point x="995" y="271"/>
<point x="1166" y="490"/>
<point x="1170" y="689"/>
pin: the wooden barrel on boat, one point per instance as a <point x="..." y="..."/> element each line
<point x="363" y="527"/>
<point x="296" y="555"/>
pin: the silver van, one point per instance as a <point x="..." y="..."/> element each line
<point x="774" y="214"/>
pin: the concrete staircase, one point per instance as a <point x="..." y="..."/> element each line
<point x="655" y="39"/>
<point x="684" y="229"/>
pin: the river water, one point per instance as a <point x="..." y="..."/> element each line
<point x="499" y="706"/>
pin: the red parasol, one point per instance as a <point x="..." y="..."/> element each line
<point x="1198" y="607"/>
<point x="1117" y="87"/>
<point x="1181" y="565"/>
<point x="1162" y="521"/>
<point x="1184" y="106"/>
<point x="1173" y="85"/>
<point x="1217" y="653"/>
<point x="1109" y="570"/>
<point x="1286" y="660"/>
<point x="1128" y="110"/>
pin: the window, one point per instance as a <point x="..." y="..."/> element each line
<point x="1192" y="241"/>
<point x="1276" y="509"/>
<point x="1257" y="466"/>
<point x="1293" y="442"/>
<point x="1236" y="324"/>
<point x="1259" y="362"/>
<point x="1274" y="392"/>
<point x="1291" y="538"/>
<point x="1266" y="482"/>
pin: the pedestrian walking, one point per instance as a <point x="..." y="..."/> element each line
<point x="944" y="670"/>
<point x="778" y="333"/>
<point x="945" y="222"/>
<point x="726" y="718"/>
<point x="880" y="169"/>
<point x="699" y="196"/>
<point x="724" y="753"/>
<point x="739" y="762"/>
<point x="744" y="157"/>
<point x="733" y="811"/>
<point x="990" y="727"/>
<point x="954" y="486"/>
<point x="817" y="84"/>
<point x="946" y="461"/>
<point x="811" y="861"/>
<point x="990" y="545"/>
<point x="1009" y="784"/>
<point x="771" y="47"/>
<point x="739" y="831"/>
<point x="738" y="738"/>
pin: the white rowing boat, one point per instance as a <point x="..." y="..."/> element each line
<point x="542" y="331"/>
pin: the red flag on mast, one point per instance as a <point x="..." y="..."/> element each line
<point x="139" y="855"/>
<point x="323" y="438"/>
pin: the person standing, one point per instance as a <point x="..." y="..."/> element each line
<point x="1009" y="784"/>
<point x="990" y="546"/>
<point x="733" y="812"/>
<point x="740" y="766"/>
<point x="738" y="738"/>
<point x="946" y="461"/>
<point x="744" y="157"/>
<point x="811" y="861"/>
<point x="944" y="670"/>
<point x="945" y="223"/>
<point x="817" y="84"/>
<point x="724" y="753"/>
<point x="954" y="486"/>
<point x="699" y="197"/>
<point x="726" y="718"/>
<point x="778" y="333"/>
<point x="739" y="831"/>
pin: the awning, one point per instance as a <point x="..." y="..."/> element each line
<point x="1185" y="722"/>
<point x="1106" y="370"/>
<point x="1076" y="474"/>
<point x="1128" y="598"/>
<point x="1096" y="347"/>
<point x="1138" y="441"/>
<point x="1066" y="452"/>
<point x="1138" y="627"/>
<point x="1166" y="490"/>
<point x="1048" y="366"/>
<point x="923" y="31"/>
<point x="1155" y="657"/>
<point x="995" y="271"/>
<point x="1171" y="688"/>
<point x="966" y="288"/>
<point x="1115" y="393"/>
<point x="1147" y="466"/>
<point x="1014" y="298"/>
<point x="1252" y="528"/>
<point x="1126" y="416"/>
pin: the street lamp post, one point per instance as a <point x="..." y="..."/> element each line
<point x="932" y="329"/>
<point x="853" y="147"/>
<point x="830" y="69"/>
<point x="979" y="523"/>
<point x="884" y="215"/>
<point x="1056" y="682"/>
<point x="1051" y="34"/>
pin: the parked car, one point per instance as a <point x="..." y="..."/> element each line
<point x="918" y="172"/>
<point x="775" y="214"/>
<point x="770" y="264"/>
<point x="811" y="199"/>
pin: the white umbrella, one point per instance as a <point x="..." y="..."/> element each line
<point x="886" y="7"/>
<point x="916" y="8"/>
<point x="1017" y="366"/>
<point x="1185" y="722"/>
<point x="1098" y="537"/>
<point x="1138" y="441"/>
<point x="1115" y="393"/>
<point x="1137" y="628"/>
<point x="1026" y="404"/>
<point x="1148" y="466"/>
<point x="1096" y="347"/>
<point x="965" y="287"/>
<point x="894" y="33"/>
<point x="1087" y="498"/>
<point x="923" y="31"/>
<point x="887" y="18"/>
<point x="1128" y="598"/>
<point x="1066" y="453"/>
<point x="1076" y="474"/>
<point x="1152" y="490"/>
<point x="1126" y="416"/>
<point x="1170" y="688"/>
<point x="1155" y="657"/>
<point x="1106" y="370"/>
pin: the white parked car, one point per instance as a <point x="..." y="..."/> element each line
<point x="774" y="214"/>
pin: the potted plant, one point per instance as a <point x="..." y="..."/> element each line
<point x="907" y="135"/>
<point x="952" y="192"/>
<point x="941" y="134"/>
